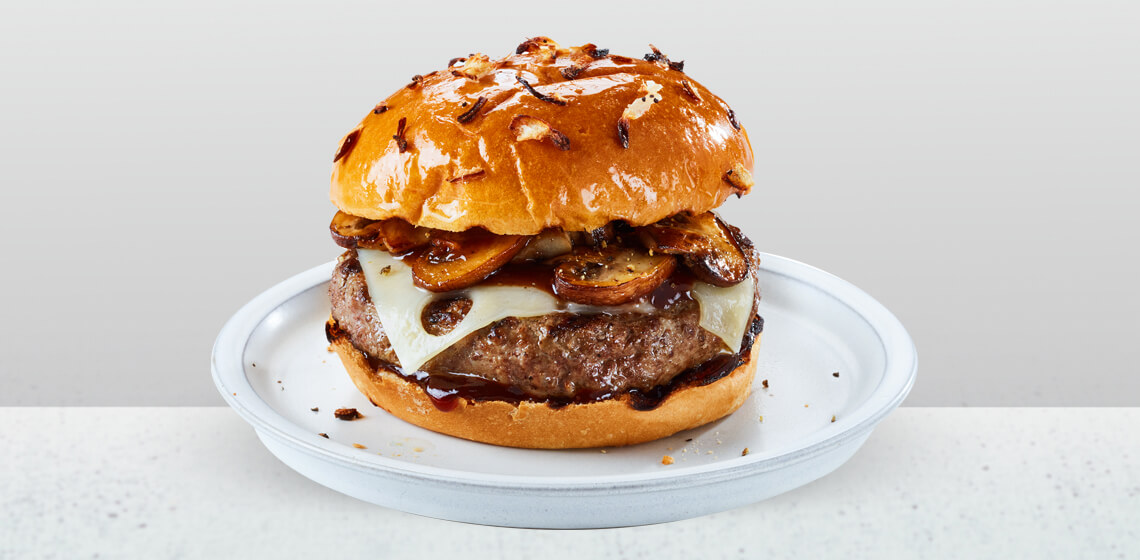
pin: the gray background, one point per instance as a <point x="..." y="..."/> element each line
<point x="971" y="164"/>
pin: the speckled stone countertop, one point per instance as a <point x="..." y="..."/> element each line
<point x="930" y="482"/>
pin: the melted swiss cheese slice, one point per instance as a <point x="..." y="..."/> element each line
<point x="399" y="305"/>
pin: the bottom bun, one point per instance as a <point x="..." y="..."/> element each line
<point x="530" y="424"/>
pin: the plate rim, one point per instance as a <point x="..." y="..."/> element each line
<point x="899" y="372"/>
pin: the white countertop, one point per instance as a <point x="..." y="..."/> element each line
<point x="195" y="482"/>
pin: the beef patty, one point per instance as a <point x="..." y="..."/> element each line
<point x="558" y="356"/>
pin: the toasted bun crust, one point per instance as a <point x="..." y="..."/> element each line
<point x="536" y="425"/>
<point x="457" y="175"/>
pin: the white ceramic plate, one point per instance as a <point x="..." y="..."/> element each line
<point x="271" y="363"/>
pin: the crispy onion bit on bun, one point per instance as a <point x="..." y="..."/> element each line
<point x="527" y="127"/>
<point x="740" y="178"/>
<point x="475" y="67"/>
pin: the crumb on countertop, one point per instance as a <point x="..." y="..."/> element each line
<point x="347" y="414"/>
<point x="324" y="435"/>
<point x="358" y="446"/>
<point x="745" y="452"/>
<point x="666" y="460"/>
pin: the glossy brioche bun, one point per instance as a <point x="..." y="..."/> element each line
<point x="537" y="425"/>
<point x="457" y="175"/>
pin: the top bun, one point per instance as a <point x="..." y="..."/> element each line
<point x="538" y="140"/>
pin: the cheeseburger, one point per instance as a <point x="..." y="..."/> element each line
<point x="531" y="255"/>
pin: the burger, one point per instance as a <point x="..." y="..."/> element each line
<point x="531" y="257"/>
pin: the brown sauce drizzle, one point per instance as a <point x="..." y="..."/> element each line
<point x="704" y="374"/>
<point x="675" y="289"/>
<point x="446" y="389"/>
<point x="528" y="275"/>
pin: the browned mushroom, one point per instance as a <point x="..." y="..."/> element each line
<point x="393" y="235"/>
<point x="610" y="276"/>
<point x="703" y="243"/>
<point x="546" y="245"/>
<point x="349" y="231"/>
<point x="457" y="260"/>
<point x="398" y="236"/>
